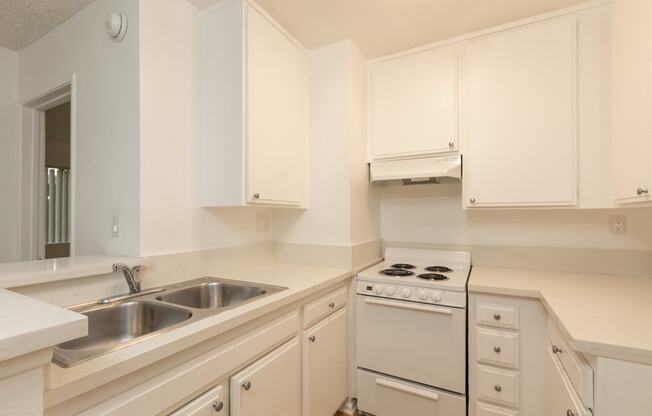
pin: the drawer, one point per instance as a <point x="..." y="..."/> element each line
<point x="324" y="306"/>
<point x="483" y="409"/>
<point x="497" y="347"/>
<point x="579" y="371"/>
<point x="503" y="316"/>
<point x="386" y="396"/>
<point x="498" y="385"/>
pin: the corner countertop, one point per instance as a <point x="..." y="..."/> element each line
<point x="602" y="315"/>
<point x="25" y="273"/>
<point x="301" y="281"/>
<point x="28" y="325"/>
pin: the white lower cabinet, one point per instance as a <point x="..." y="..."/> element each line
<point x="211" y="403"/>
<point x="271" y="385"/>
<point x="325" y="365"/>
<point x="562" y="398"/>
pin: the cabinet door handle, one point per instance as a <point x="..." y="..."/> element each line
<point x="256" y="195"/>
<point x="555" y="349"/>
<point x="571" y="413"/>
<point x="472" y="200"/>
<point x="497" y="349"/>
<point x="331" y="305"/>
<point x="312" y="338"/>
<point x="246" y="385"/>
<point x="218" y="405"/>
<point x="641" y="191"/>
<point x="451" y="144"/>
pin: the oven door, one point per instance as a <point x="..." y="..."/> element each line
<point x="413" y="341"/>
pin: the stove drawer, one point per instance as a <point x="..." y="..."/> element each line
<point x="413" y="341"/>
<point x="497" y="347"/>
<point x="385" y="396"/>
<point x="498" y="386"/>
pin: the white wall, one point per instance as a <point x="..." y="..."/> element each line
<point x="433" y="214"/>
<point x="171" y="219"/>
<point x="106" y="152"/>
<point x="342" y="210"/>
<point x="9" y="202"/>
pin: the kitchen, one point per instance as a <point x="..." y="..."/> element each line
<point x="317" y="208"/>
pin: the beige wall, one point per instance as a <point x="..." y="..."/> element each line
<point x="171" y="218"/>
<point x="342" y="208"/>
<point x="433" y="214"/>
<point x="9" y="191"/>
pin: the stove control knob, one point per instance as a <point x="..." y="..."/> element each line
<point x="437" y="295"/>
<point x="378" y="289"/>
<point x="390" y="290"/>
<point x="406" y="292"/>
<point x="423" y="295"/>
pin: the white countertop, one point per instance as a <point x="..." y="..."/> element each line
<point x="28" y="325"/>
<point x="301" y="281"/>
<point x="32" y="272"/>
<point x="602" y="315"/>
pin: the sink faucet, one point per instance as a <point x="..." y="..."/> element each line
<point x="132" y="276"/>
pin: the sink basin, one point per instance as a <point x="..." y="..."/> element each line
<point x="114" y="326"/>
<point x="211" y="295"/>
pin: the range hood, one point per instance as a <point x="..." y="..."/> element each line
<point x="435" y="169"/>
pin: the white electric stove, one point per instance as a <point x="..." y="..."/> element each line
<point x="411" y="333"/>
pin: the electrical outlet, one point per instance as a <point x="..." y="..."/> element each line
<point x="618" y="224"/>
<point x="263" y="222"/>
<point x="115" y="226"/>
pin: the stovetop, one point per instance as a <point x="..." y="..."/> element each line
<point x="422" y="268"/>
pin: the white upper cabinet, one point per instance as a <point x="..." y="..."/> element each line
<point x="632" y="100"/>
<point x="413" y="104"/>
<point x="254" y="110"/>
<point x="518" y="116"/>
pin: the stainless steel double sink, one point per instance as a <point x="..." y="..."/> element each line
<point x="119" y="322"/>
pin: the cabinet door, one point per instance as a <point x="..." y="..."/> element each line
<point x="631" y="99"/>
<point x="211" y="403"/>
<point x="518" y="120"/>
<point x="413" y="104"/>
<point x="270" y="386"/>
<point x="562" y="398"/>
<point x="326" y="366"/>
<point x="275" y="113"/>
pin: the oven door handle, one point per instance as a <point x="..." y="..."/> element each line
<point x="411" y="306"/>
<point x="430" y="395"/>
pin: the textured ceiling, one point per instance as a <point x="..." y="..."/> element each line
<point x="24" y="21"/>
<point x="380" y="27"/>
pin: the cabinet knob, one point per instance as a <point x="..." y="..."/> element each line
<point x="256" y="195"/>
<point x="497" y="349"/>
<point x="218" y="405"/>
<point x="246" y="385"/>
<point x="451" y="144"/>
<point x="571" y="413"/>
<point x="555" y="349"/>
<point x="498" y="388"/>
<point x="472" y="200"/>
<point x="641" y="191"/>
<point x="331" y="305"/>
<point x="312" y="338"/>
<point x="497" y="316"/>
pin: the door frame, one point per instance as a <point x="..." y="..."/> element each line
<point x="32" y="162"/>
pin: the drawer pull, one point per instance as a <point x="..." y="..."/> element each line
<point x="331" y="305"/>
<point x="408" y="305"/>
<point x="498" y="388"/>
<point x="431" y="395"/>
<point x="312" y="338"/>
<point x="497" y="349"/>
<point x="555" y="349"/>
<point x="571" y="413"/>
<point x="218" y="405"/>
<point x="497" y="316"/>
